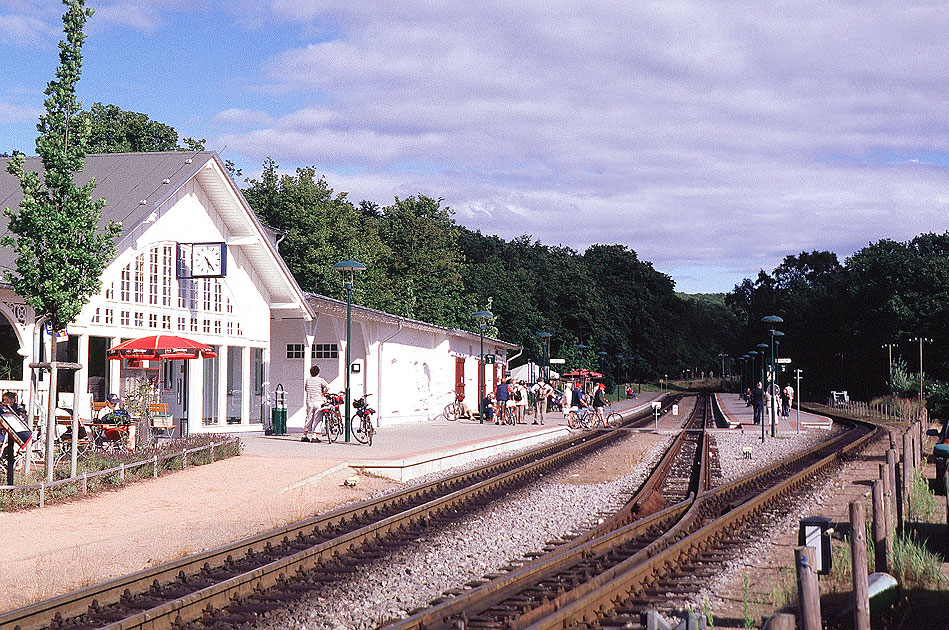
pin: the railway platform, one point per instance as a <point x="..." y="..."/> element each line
<point x="738" y="412"/>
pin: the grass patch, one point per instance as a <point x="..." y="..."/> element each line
<point x="96" y="461"/>
<point x="913" y="565"/>
<point x="923" y="503"/>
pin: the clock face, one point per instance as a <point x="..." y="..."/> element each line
<point x="208" y="259"/>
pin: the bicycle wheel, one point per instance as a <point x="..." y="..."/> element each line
<point x="452" y="411"/>
<point x="333" y="424"/>
<point x="573" y="420"/>
<point x="363" y="430"/>
<point x="509" y="416"/>
<point x="614" y="419"/>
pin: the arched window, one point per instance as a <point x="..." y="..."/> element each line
<point x="11" y="363"/>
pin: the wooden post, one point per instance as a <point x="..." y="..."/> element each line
<point x="122" y="471"/>
<point x="907" y="481"/>
<point x="892" y="434"/>
<point x="155" y="467"/>
<point x="781" y="621"/>
<point x="807" y="588"/>
<point x="858" y="552"/>
<point x="887" y="509"/>
<point x="879" y="527"/>
<point x="85" y="482"/>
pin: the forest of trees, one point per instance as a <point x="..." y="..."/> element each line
<point x="422" y="264"/>
<point x="840" y="317"/>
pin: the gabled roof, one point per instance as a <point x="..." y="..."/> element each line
<point x="136" y="184"/>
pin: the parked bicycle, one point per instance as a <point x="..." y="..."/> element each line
<point x="363" y="429"/>
<point x="332" y="421"/>
<point x="457" y="408"/>
<point x="613" y="418"/>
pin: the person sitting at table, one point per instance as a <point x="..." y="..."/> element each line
<point x="111" y="406"/>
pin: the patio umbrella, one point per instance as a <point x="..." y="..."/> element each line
<point x="158" y="347"/>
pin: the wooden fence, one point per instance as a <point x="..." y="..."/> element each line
<point x="82" y="480"/>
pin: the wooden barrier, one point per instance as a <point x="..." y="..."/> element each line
<point x="82" y="480"/>
<point x="807" y="588"/>
<point x="858" y="555"/>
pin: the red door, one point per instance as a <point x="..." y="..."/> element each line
<point x="459" y="376"/>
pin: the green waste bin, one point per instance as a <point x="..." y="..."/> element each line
<point x="278" y="414"/>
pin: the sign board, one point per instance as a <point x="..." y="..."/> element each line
<point x="675" y="410"/>
<point x="15" y="426"/>
<point x="489" y="359"/>
<point x="557" y="361"/>
<point x="784" y="360"/>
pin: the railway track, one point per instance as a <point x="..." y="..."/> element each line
<point x="610" y="577"/>
<point x="233" y="583"/>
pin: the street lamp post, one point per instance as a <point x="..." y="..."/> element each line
<point x="763" y="351"/>
<point x="482" y="317"/>
<point x="545" y="342"/>
<point x="722" y="357"/>
<point x="889" y="347"/>
<point x="351" y="266"/>
<point x="921" y="340"/>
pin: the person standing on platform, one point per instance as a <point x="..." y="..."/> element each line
<point x="520" y="403"/>
<point x="599" y="404"/>
<point x="789" y="400"/>
<point x="503" y="395"/>
<point x="542" y="395"/>
<point x="314" y="388"/>
<point x="757" y="402"/>
<point x="567" y="399"/>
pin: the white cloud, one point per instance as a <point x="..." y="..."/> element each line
<point x="243" y="118"/>
<point x="10" y="113"/>
<point x="25" y="30"/>
<point x="699" y="134"/>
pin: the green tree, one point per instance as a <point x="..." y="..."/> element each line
<point x="425" y="263"/>
<point x="322" y="228"/>
<point x="114" y="130"/>
<point x="60" y="251"/>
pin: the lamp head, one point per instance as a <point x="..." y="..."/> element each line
<point x="772" y="319"/>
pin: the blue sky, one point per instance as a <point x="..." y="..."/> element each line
<point x="713" y="140"/>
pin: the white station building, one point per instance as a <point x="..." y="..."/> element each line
<point x="194" y="261"/>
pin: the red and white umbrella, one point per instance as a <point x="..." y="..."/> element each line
<point x="158" y="347"/>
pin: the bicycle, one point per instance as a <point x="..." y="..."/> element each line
<point x="332" y="421"/>
<point x="613" y="419"/>
<point x="364" y="429"/>
<point x="456" y="409"/>
<point x="579" y="418"/>
<point x="506" y="414"/>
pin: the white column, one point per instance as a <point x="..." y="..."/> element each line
<point x="245" y="385"/>
<point x="82" y="376"/>
<point x="222" y="386"/>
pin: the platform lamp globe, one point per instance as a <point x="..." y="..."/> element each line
<point x="349" y="267"/>
<point x="482" y="317"/>
<point x="545" y="343"/>
<point x="602" y="355"/>
<point x="619" y="369"/>
<point x="580" y="348"/>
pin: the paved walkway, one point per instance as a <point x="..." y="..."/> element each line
<point x="737" y="411"/>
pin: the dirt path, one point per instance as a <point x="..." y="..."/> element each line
<point x="66" y="546"/>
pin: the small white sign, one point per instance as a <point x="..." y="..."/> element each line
<point x="783" y="360"/>
<point x="557" y="361"/>
<point x="656" y="404"/>
<point x="675" y="410"/>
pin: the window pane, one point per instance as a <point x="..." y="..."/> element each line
<point x="210" y="385"/>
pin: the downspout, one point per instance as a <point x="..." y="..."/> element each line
<point x="379" y="376"/>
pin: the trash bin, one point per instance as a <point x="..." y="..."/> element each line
<point x="278" y="414"/>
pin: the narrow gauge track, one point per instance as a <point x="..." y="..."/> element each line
<point x="184" y="590"/>
<point x="608" y="579"/>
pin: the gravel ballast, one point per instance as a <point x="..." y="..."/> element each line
<point x="448" y="556"/>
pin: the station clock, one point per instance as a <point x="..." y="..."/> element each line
<point x="202" y="260"/>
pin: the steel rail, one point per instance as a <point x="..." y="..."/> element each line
<point x="601" y="593"/>
<point x="73" y="604"/>
<point x="643" y="567"/>
<point x="643" y="512"/>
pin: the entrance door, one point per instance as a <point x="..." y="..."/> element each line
<point x="459" y="376"/>
<point x="175" y="391"/>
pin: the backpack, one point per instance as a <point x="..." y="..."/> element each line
<point x="517" y="394"/>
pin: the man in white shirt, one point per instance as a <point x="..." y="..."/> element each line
<point x="314" y="388"/>
<point x="542" y="392"/>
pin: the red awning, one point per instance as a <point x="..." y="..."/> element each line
<point x="157" y="347"/>
<point x="584" y="374"/>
